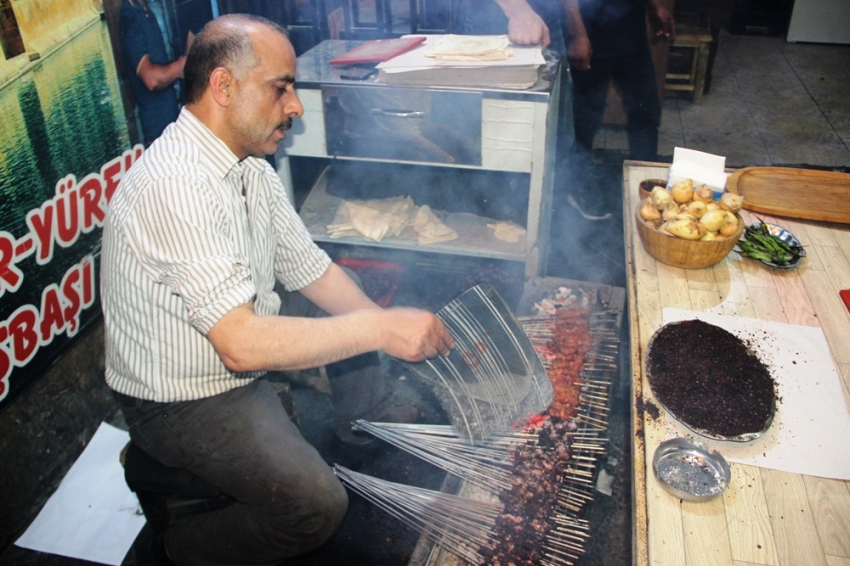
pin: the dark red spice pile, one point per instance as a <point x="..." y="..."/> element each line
<point x="709" y="379"/>
<point x="519" y="535"/>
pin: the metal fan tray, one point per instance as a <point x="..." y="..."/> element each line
<point x="744" y="437"/>
<point x="493" y="378"/>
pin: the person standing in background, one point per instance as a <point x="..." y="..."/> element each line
<point x="608" y="39"/>
<point x="151" y="73"/>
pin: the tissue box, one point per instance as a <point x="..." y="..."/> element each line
<point x="701" y="167"/>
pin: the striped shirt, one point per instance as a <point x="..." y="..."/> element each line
<point x="191" y="233"/>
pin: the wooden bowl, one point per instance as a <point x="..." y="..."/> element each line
<point x="647" y="185"/>
<point x="687" y="254"/>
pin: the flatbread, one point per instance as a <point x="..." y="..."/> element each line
<point x="471" y="48"/>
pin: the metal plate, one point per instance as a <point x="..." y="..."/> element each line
<point x="789" y="239"/>
<point x="713" y="462"/>
<point x="746" y="437"/>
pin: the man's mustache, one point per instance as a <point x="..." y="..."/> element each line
<point x="286" y="124"/>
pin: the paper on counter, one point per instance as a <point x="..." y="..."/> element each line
<point x="93" y="515"/>
<point x="416" y="60"/>
<point x="810" y="433"/>
<point x="701" y="167"/>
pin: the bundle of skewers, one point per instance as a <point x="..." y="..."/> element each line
<point x="517" y="517"/>
<point x="526" y="488"/>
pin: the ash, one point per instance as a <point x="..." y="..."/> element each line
<point x="690" y="474"/>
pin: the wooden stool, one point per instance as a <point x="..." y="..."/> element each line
<point x="698" y="40"/>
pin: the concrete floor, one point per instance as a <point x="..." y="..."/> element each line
<point x="771" y="103"/>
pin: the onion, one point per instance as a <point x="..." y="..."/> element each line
<point x="697" y="208"/>
<point x="710" y="237"/>
<point x="731" y="225"/>
<point x="683" y="191"/>
<point x="703" y="193"/>
<point x="648" y="212"/>
<point x="661" y="197"/>
<point x="712" y="206"/>
<point x="684" y="228"/>
<point x="713" y="220"/>
<point x="731" y="202"/>
<point x="670" y="211"/>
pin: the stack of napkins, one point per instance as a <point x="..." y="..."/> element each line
<point x="702" y="168"/>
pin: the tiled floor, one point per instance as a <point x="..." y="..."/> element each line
<point x="770" y="103"/>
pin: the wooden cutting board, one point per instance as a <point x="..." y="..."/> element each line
<point x="794" y="193"/>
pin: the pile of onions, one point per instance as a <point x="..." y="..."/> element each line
<point x="691" y="213"/>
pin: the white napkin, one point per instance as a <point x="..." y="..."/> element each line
<point x="701" y="167"/>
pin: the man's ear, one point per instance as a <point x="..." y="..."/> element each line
<point x="221" y="83"/>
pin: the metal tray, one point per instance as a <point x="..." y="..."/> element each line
<point x="746" y="437"/>
<point x="789" y="239"/>
<point x="713" y="462"/>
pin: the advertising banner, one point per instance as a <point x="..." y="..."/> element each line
<point x="64" y="146"/>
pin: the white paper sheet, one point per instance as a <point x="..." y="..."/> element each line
<point x="93" y="515"/>
<point x="701" y="167"/>
<point x="810" y="433"/>
<point x="415" y="59"/>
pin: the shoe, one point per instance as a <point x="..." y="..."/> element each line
<point x="155" y="508"/>
<point x="159" y="554"/>
<point x="585" y="214"/>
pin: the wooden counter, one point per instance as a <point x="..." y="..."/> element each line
<point x="765" y="516"/>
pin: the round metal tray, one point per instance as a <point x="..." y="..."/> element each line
<point x="746" y="437"/>
<point x="789" y="239"/>
<point x="690" y="459"/>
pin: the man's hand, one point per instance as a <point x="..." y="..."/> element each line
<point x="525" y="26"/>
<point x="579" y="53"/>
<point x="414" y="335"/>
<point x="246" y="341"/>
<point x="158" y="77"/>
<point x="528" y="29"/>
<point x="661" y="21"/>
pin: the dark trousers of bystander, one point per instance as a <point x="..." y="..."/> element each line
<point x="634" y="76"/>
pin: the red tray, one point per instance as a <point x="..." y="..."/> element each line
<point x="377" y="51"/>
